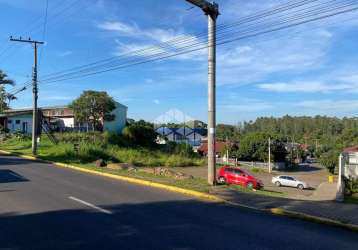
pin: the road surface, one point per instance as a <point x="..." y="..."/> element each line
<point x="45" y="207"/>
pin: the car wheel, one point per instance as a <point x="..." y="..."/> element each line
<point x="300" y="186"/>
<point x="277" y="183"/>
<point x="222" y="180"/>
<point x="250" y="185"/>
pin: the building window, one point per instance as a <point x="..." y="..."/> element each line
<point x="9" y="121"/>
<point x="17" y="121"/>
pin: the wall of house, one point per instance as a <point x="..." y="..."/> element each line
<point x="68" y="122"/>
<point x="119" y="122"/>
<point x="20" y="123"/>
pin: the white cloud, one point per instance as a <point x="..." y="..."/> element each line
<point x="138" y="50"/>
<point x="330" y="106"/>
<point x="307" y="87"/>
<point x="65" y="53"/>
<point x="253" y="106"/>
<point x="145" y="38"/>
<point x="335" y="81"/>
<point x="121" y="28"/>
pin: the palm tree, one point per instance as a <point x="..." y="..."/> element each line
<point x="4" y="80"/>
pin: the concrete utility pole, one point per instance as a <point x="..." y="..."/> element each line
<point x="269" y="155"/>
<point x="212" y="11"/>
<point x="35" y="128"/>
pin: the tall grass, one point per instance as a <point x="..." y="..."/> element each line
<point x="90" y="151"/>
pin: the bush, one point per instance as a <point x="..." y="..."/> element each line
<point x="182" y="149"/>
<point x="330" y="160"/>
<point x="90" y="153"/>
<point x="140" y="134"/>
<point x="3" y="130"/>
<point x="351" y="186"/>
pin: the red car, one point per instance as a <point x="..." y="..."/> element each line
<point x="235" y="175"/>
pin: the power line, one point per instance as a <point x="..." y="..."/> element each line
<point x="286" y="35"/>
<point x="43" y="32"/>
<point x="38" y="24"/>
<point x="166" y="55"/>
<point x="182" y="40"/>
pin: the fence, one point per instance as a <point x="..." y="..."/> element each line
<point x="253" y="164"/>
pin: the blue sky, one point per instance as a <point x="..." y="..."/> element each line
<point x="307" y="70"/>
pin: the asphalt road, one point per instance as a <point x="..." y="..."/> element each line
<point x="45" y="207"/>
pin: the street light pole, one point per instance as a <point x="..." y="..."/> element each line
<point x="212" y="11"/>
<point x="269" y="155"/>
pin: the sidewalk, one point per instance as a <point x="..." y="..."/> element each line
<point x="346" y="213"/>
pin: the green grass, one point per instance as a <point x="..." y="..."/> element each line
<point x="258" y="192"/>
<point x="88" y="153"/>
<point x="351" y="200"/>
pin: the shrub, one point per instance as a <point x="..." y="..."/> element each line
<point x="140" y="134"/>
<point x="330" y="160"/>
<point x="351" y="186"/>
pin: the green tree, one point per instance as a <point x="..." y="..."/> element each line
<point x="140" y="133"/>
<point x="254" y="147"/>
<point x="330" y="160"/>
<point x="4" y="96"/>
<point x="230" y="132"/>
<point x="92" y="106"/>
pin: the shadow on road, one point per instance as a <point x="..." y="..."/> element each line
<point x="7" y="176"/>
<point x="166" y="225"/>
<point x="12" y="160"/>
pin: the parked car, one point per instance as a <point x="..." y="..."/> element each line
<point x="235" y="175"/>
<point x="288" y="181"/>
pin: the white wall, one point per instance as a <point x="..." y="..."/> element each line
<point x="68" y="122"/>
<point x="14" y="127"/>
<point x="120" y="113"/>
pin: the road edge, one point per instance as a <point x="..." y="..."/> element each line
<point x="274" y="211"/>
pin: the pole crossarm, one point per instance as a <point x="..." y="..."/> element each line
<point x="35" y="117"/>
<point x="29" y="40"/>
<point x="209" y="8"/>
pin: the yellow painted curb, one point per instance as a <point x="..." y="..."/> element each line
<point x="312" y="218"/>
<point x="275" y="211"/>
<point x="144" y="182"/>
<point x="127" y="179"/>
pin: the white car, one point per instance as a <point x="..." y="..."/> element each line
<point x="288" y="181"/>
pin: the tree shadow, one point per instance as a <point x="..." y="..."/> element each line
<point x="302" y="168"/>
<point x="7" y="176"/>
<point x="166" y="225"/>
<point x="11" y="160"/>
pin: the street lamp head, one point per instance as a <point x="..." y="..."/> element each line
<point x="208" y="7"/>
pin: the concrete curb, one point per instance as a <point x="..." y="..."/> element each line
<point x="311" y="218"/>
<point x="274" y="211"/>
<point x="193" y="193"/>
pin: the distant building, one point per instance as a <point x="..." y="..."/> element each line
<point x="352" y="153"/>
<point x="60" y="118"/>
<point x="219" y="148"/>
<point x="350" y="163"/>
<point x="192" y="136"/>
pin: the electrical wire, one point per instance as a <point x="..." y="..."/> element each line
<point x="191" y="45"/>
<point x="220" y="42"/>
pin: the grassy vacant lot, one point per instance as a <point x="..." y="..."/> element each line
<point x="91" y="151"/>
